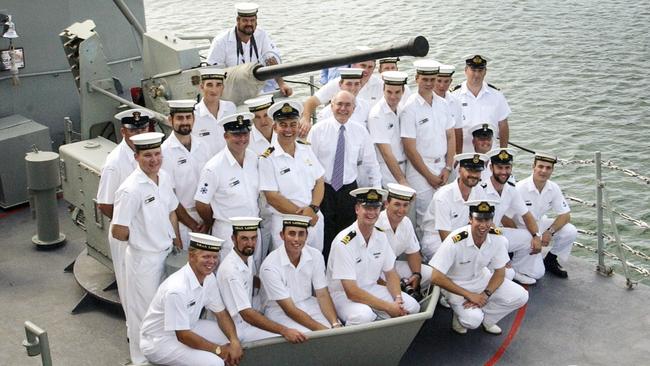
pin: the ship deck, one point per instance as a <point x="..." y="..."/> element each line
<point x="585" y="320"/>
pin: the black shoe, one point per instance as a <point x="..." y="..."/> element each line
<point x="552" y="265"/>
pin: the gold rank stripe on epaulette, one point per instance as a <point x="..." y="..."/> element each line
<point x="303" y="142"/>
<point x="268" y="152"/>
<point x="380" y="229"/>
<point x="456" y="87"/>
<point x="346" y="239"/>
<point x="493" y="87"/>
<point x="460" y="236"/>
<point x="495" y="231"/>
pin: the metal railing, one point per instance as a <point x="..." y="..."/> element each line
<point x="37" y="343"/>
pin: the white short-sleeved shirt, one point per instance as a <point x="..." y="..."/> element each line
<point x="455" y="109"/>
<point x="372" y="92"/>
<point x="447" y="211"/>
<point x="510" y="200"/>
<point x="206" y="127"/>
<point x="294" y="177"/>
<point x="230" y="189"/>
<point x="351" y="258"/>
<point x="359" y="150"/>
<point x="490" y="106"/>
<point x="359" y="114"/>
<point x="258" y="143"/>
<point x="119" y="164"/>
<point x="384" y="128"/>
<point x="178" y="302"/>
<point x="235" y="281"/>
<point x="403" y="239"/>
<point x="539" y="204"/>
<point x="282" y="280"/>
<point x="427" y="124"/>
<point x="223" y="49"/>
<point x="144" y="207"/>
<point x="466" y="264"/>
<point x="184" y="166"/>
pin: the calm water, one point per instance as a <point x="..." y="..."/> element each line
<point x="575" y="73"/>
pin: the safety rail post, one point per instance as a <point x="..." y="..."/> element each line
<point x="621" y="253"/>
<point x="37" y="343"/>
<point x="312" y="90"/>
<point x="601" y="267"/>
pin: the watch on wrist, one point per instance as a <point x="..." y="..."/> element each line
<point x="314" y="208"/>
<point x="487" y="292"/>
<point x="217" y="350"/>
<point x="448" y="169"/>
<point x="417" y="274"/>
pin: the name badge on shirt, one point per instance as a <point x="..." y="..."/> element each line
<point x="359" y="162"/>
<point x="464" y="104"/>
<point x="358" y="260"/>
<point x="466" y="262"/>
<point x="234" y="182"/>
<point x="308" y="162"/>
<point x="423" y="121"/>
<point x="204" y="133"/>
<point x="285" y="171"/>
<point x="390" y="126"/>
<point x="454" y="215"/>
<point x="376" y="254"/>
<point x="149" y="199"/>
<point x="529" y="203"/>
<point x="182" y="161"/>
<point x="192" y="303"/>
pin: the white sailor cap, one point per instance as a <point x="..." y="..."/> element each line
<point x="259" y="103"/>
<point x="400" y="192"/>
<point x="350" y="73"/>
<point x="285" y="109"/>
<point x="394" y="77"/>
<point x="501" y="155"/>
<point x="482" y="209"/>
<point x="134" y="118"/>
<point x="245" y="223"/>
<point x="388" y="60"/>
<point x="476" y="61"/>
<point x="426" y="67"/>
<point x="295" y="220"/>
<point x="181" y="106"/>
<point x="147" y="140"/>
<point x="246" y="9"/>
<point x="237" y="123"/>
<point x="446" y="70"/>
<point x="369" y="196"/>
<point x="205" y="242"/>
<point x="471" y="161"/>
<point x="212" y="73"/>
<point x="482" y="130"/>
<point x="544" y="156"/>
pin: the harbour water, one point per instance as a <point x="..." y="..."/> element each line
<point x="575" y="75"/>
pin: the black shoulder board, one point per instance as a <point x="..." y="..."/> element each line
<point x="346" y="239"/>
<point x="303" y="142"/>
<point x="495" y="231"/>
<point x="268" y="152"/>
<point x="380" y="229"/>
<point x="460" y="236"/>
<point x="493" y="87"/>
<point x="512" y="184"/>
<point x="457" y="87"/>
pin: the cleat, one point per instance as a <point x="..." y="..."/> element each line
<point x="524" y="279"/>
<point x="443" y="302"/>
<point x="456" y="326"/>
<point x="492" y="329"/>
<point x="552" y="265"/>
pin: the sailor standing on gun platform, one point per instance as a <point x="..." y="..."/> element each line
<point x="145" y="216"/>
<point x="172" y="333"/>
<point x="184" y="158"/>
<point x="470" y="268"/>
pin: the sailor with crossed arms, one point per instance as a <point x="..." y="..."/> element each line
<point x="291" y="177"/>
<point x="470" y="268"/>
<point x="290" y="274"/>
<point x="237" y="285"/>
<point x="360" y="254"/>
<point x="172" y="333"/>
<point x="184" y="159"/>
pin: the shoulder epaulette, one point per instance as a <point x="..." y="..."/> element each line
<point x="456" y="87"/>
<point x="380" y="229"/>
<point x="268" y="152"/>
<point x="495" y="231"/>
<point x="493" y="87"/>
<point x="512" y="184"/>
<point x="460" y="236"/>
<point x="303" y="142"/>
<point x="346" y="239"/>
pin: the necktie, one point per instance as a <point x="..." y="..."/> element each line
<point x="339" y="161"/>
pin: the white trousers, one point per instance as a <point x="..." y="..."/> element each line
<point x="429" y="244"/>
<point x="144" y="272"/>
<point x="184" y="230"/>
<point x="424" y="192"/>
<point x="507" y="298"/>
<point x="314" y="238"/>
<point x="250" y="333"/>
<point x="352" y="313"/>
<point x="404" y="271"/>
<point x="309" y="306"/>
<point x="522" y="261"/>
<point x="266" y="232"/>
<point x="386" y="175"/>
<point x="118" y="253"/>
<point x="169" y="351"/>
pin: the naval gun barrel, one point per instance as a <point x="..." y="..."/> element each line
<point x="417" y="46"/>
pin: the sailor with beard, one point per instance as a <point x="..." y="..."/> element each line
<point x="447" y="211"/>
<point x="522" y="242"/>
<point x="470" y="268"/>
<point x="184" y="158"/>
<point x="246" y="43"/>
<point x="237" y="283"/>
